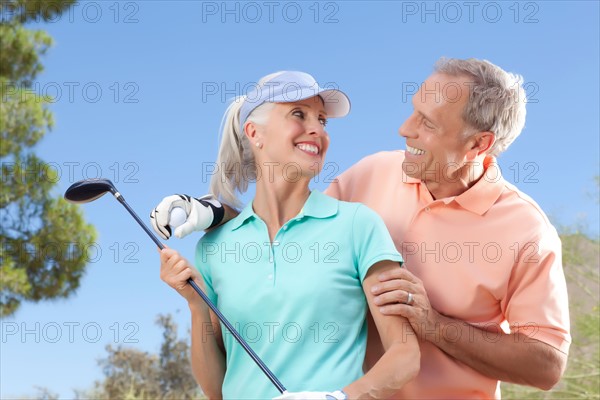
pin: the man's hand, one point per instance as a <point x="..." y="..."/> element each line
<point x="401" y="293"/>
<point x="511" y="357"/>
<point x="337" y="395"/>
<point x="201" y="214"/>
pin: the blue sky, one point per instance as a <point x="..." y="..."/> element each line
<point x="140" y="88"/>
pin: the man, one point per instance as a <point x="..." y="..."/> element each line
<point x="478" y="251"/>
<point x="483" y="286"/>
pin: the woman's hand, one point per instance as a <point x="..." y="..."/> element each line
<point x="176" y="270"/>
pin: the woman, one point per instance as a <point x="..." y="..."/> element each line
<point x="294" y="270"/>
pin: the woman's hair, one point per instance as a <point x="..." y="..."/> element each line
<point x="496" y="99"/>
<point x="236" y="166"/>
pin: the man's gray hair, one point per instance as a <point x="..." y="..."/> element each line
<point x="496" y="99"/>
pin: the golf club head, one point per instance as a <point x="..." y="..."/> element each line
<point x="89" y="190"/>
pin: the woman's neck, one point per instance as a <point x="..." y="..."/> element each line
<point x="278" y="201"/>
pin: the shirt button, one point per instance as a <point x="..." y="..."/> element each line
<point x="270" y="277"/>
<point x="285" y="227"/>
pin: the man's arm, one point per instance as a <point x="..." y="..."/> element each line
<point x="513" y="357"/>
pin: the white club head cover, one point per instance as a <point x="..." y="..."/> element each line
<point x="337" y="395"/>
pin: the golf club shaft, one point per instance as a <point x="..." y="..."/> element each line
<point x="121" y="199"/>
<point x="240" y="340"/>
<point x="209" y="303"/>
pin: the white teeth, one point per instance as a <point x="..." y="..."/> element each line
<point x="308" y="147"/>
<point x="416" y="152"/>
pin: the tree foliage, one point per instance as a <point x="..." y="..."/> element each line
<point x="44" y="239"/>
<point x="132" y="374"/>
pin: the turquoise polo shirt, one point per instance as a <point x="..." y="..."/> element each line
<point x="298" y="301"/>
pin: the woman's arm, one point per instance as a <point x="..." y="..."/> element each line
<point x="208" y="355"/>
<point x="400" y="362"/>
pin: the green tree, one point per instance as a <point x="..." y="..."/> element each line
<point x="132" y="374"/>
<point x="44" y="239"/>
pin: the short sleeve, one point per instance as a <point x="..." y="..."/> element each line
<point x="372" y="241"/>
<point x="334" y="189"/>
<point x="537" y="302"/>
<point x="204" y="249"/>
<point x="354" y="183"/>
<point x="338" y="188"/>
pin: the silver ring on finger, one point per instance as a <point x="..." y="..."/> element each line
<point x="411" y="299"/>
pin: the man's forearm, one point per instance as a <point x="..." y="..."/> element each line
<point x="514" y="358"/>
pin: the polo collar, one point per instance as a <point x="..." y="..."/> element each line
<point x="318" y="205"/>
<point x="246" y="214"/>
<point x="481" y="196"/>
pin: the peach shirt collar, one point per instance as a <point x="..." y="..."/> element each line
<point x="481" y="196"/>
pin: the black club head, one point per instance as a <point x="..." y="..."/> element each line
<point x="89" y="190"/>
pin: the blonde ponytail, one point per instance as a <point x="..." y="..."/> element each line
<point x="236" y="166"/>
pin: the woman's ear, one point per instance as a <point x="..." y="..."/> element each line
<point x="251" y="132"/>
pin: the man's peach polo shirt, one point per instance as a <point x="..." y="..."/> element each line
<point x="488" y="256"/>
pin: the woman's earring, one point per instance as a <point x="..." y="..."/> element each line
<point x="259" y="145"/>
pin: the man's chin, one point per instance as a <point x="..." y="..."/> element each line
<point x="412" y="169"/>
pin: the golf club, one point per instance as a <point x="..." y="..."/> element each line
<point x="89" y="190"/>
